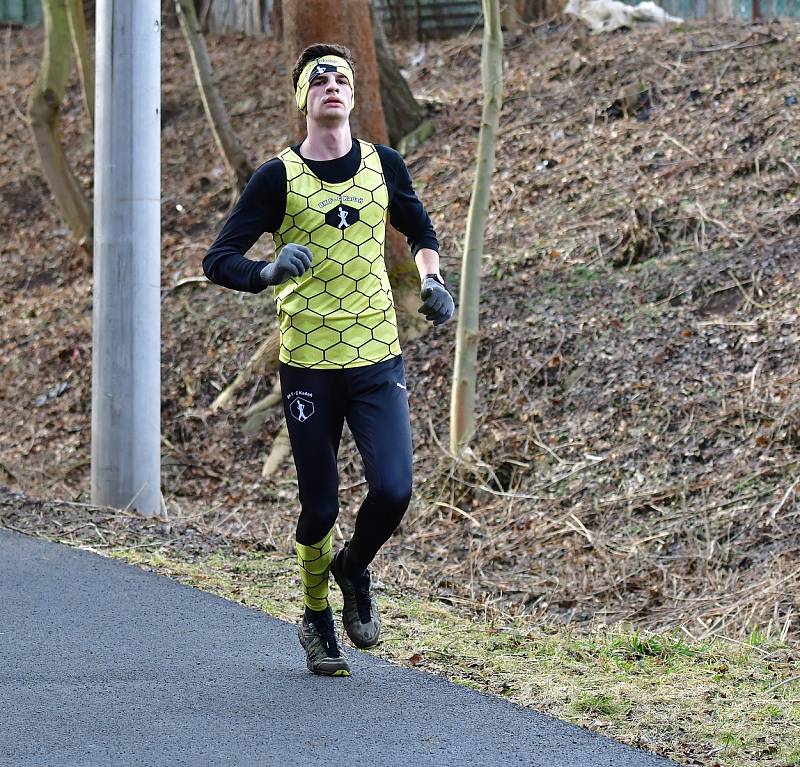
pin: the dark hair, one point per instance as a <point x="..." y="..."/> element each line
<point x="317" y="50"/>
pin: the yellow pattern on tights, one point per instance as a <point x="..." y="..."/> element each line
<point x="340" y="313"/>
<point x="315" y="562"/>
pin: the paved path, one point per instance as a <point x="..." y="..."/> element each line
<point x="106" y="664"/>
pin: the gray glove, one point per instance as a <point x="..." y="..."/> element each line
<point x="437" y="303"/>
<point x="292" y="261"/>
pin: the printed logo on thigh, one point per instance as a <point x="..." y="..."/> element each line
<point x="301" y="409"/>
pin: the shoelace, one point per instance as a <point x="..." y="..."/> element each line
<point x="363" y="601"/>
<point x="361" y="586"/>
<point x="327" y="634"/>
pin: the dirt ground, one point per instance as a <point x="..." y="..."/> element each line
<point x="638" y="451"/>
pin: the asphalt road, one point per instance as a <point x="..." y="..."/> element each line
<point x="102" y="663"/>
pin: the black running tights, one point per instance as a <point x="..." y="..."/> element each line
<point x="374" y="401"/>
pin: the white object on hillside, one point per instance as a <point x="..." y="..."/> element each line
<point x="608" y="15"/>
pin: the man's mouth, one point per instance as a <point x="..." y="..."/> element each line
<point x="332" y="101"/>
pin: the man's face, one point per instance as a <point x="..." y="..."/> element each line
<point x="329" y="98"/>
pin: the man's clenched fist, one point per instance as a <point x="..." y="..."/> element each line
<point x="292" y="261"/>
<point x="437" y="303"/>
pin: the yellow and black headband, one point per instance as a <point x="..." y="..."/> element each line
<point x="319" y="66"/>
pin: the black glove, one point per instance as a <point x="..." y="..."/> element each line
<point x="437" y="303"/>
<point x="292" y="261"/>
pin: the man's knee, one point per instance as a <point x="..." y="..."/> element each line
<point x="316" y="519"/>
<point x="394" y="494"/>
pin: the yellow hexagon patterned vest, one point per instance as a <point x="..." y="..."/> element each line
<point x="340" y="313"/>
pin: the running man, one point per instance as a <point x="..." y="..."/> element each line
<point x="325" y="201"/>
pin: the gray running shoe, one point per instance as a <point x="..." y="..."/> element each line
<point x="323" y="655"/>
<point x="360" y="616"/>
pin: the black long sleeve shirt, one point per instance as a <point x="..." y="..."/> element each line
<point x="262" y="207"/>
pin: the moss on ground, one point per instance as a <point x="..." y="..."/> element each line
<point x="717" y="702"/>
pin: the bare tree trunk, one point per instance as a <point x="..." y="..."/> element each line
<point x="462" y="403"/>
<point x="276" y="19"/>
<point x="238" y="165"/>
<point x="263" y="361"/>
<point x="402" y="20"/>
<point x="236" y="16"/>
<point x="203" y="14"/>
<point x="403" y="113"/>
<point x="80" y="44"/>
<point x="258" y="413"/>
<point x="281" y="449"/>
<point x="308" y="23"/>
<point x="89" y="12"/>
<point x="720" y="9"/>
<point x="517" y="13"/>
<point x="44" y="105"/>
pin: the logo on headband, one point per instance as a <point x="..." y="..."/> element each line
<point x="321" y="69"/>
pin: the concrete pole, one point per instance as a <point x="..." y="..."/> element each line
<point x="126" y="376"/>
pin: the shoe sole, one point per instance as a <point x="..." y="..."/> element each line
<point x="365" y="645"/>
<point x="362" y="644"/>
<point x="336" y="670"/>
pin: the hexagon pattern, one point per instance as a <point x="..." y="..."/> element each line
<point x="340" y="313"/>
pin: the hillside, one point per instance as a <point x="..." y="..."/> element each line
<point x="638" y="453"/>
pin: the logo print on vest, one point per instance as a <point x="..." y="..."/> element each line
<point x="341" y="216"/>
<point x="301" y="409"/>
